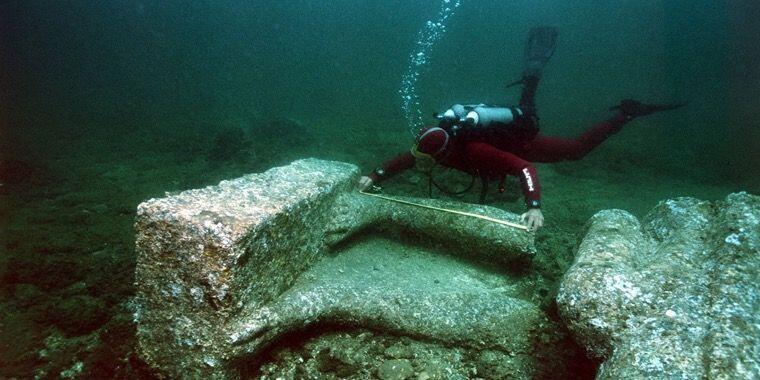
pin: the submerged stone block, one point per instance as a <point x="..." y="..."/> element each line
<point x="677" y="296"/>
<point x="224" y="271"/>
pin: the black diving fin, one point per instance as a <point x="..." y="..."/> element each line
<point x="542" y="41"/>
<point x="633" y="108"/>
<point x="539" y="48"/>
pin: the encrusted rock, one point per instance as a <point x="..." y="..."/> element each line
<point x="677" y="296"/>
<point x="223" y="272"/>
<point x="396" y="369"/>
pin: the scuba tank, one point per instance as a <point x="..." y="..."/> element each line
<point x="453" y="115"/>
<point x="484" y="116"/>
<point x="475" y="117"/>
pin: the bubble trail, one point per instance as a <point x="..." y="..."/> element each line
<point x="432" y="32"/>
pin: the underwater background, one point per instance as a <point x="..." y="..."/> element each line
<point x="106" y="104"/>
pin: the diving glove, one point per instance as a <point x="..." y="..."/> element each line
<point x="633" y="108"/>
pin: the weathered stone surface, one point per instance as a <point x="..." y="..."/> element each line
<point x="474" y="238"/>
<point x="225" y="270"/>
<point x="676" y="296"/>
<point x="377" y="292"/>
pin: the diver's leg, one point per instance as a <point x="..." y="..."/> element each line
<point x="555" y="149"/>
<point x="539" y="48"/>
<point x="528" y="95"/>
<point x="528" y="126"/>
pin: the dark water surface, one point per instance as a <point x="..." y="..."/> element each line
<point x="106" y="104"/>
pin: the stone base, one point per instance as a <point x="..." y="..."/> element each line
<point x="225" y="271"/>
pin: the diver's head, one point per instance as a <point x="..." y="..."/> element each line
<point x="431" y="143"/>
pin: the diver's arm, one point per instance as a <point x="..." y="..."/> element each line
<point x="533" y="218"/>
<point x="489" y="159"/>
<point x="387" y="170"/>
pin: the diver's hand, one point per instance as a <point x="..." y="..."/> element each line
<point x="533" y="219"/>
<point x="365" y="183"/>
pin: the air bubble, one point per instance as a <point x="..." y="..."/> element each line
<point x="426" y="38"/>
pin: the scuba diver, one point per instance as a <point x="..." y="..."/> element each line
<point x="491" y="142"/>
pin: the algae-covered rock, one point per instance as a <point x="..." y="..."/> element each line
<point x="675" y="296"/>
<point x="57" y="355"/>
<point x="395" y="369"/>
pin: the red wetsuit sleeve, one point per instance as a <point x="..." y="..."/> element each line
<point x="491" y="161"/>
<point x="393" y="166"/>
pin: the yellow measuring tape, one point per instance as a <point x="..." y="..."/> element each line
<point x="488" y="218"/>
